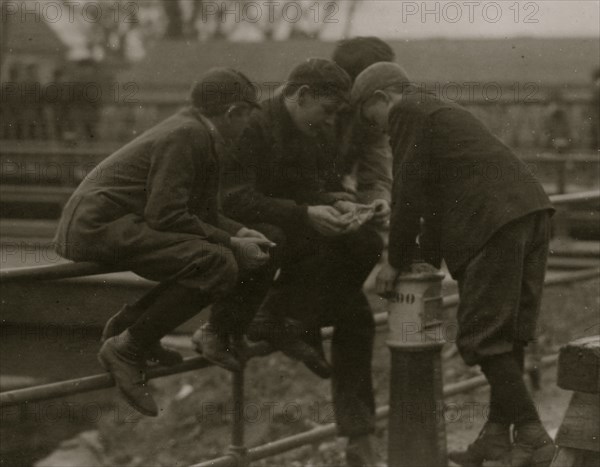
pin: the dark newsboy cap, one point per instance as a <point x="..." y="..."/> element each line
<point x="357" y="53"/>
<point x="377" y="77"/>
<point x="221" y="87"/>
<point x="323" y="76"/>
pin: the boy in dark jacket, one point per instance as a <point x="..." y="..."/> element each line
<point x="284" y="173"/>
<point x="489" y="219"/>
<point x="364" y="150"/>
<point x="152" y="207"/>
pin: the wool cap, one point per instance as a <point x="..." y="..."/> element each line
<point x="377" y="77"/>
<point x="323" y="76"/>
<point x="357" y="53"/>
<point x="221" y="87"/>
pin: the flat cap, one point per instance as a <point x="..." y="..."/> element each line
<point x="376" y="77"/>
<point x="220" y="87"/>
<point x="357" y="53"/>
<point x="322" y="75"/>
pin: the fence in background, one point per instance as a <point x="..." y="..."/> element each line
<point x="522" y="115"/>
<point x="37" y="178"/>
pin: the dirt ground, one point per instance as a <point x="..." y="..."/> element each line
<point x="283" y="398"/>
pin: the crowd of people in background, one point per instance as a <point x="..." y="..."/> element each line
<point x="66" y="107"/>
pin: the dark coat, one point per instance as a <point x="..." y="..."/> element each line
<point x="158" y="191"/>
<point x="276" y="171"/>
<point x="366" y="157"/>
<point x="452" y="172"/>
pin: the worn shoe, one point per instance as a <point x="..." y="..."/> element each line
<point x="532" y="447"/>
<point x="123" y="358"/>
<point x="156" y="353"/>
<point x="312" y="359"/>
<point x="359" y="453"/>
<point x="492" y="444"/>
<point x="285" y="336"/>
<point x="215" y="348"/>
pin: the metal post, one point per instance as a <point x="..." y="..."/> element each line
<point x="237" y="448"/>
<point x="416" y="430"/>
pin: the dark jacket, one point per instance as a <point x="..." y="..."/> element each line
<point x="276" y="171"/>
<point x="167" y="178"/>
<point x="452" y="172"/>
<point x="366" y="157"/>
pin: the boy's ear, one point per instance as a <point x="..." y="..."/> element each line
<point x="237" y="110"/>
<point x="303" y="94"/>
<point x="380" y="94"/>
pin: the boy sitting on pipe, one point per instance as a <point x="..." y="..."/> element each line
<point x="152" y="207"/>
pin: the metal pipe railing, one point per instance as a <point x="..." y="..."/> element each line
<point x="71" y="270"/>
<point x="105" y="381"/>
<point x="569" y="198"/>
<point x="326" y="431"/>
<point x="56" y="271"/>
<point x="239" y="455"/>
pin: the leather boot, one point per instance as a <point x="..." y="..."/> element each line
<point x="124" y="359"/>
<point x="360" y="453"/>
<point x="215" y="348"/>
<point x="493" y="443"/>
<point x="532" y="447"/>
<point x="285" y="336"/>
<point x="157" y="353"/>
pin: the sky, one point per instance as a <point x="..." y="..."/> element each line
<point x="389" y="19"/>
<point x="470" y="19"/>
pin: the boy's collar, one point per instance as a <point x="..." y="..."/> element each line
<point x="212" y="129"/>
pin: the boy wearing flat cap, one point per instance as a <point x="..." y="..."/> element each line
<point x="484" y="213"/>
<point x="283" y="173"/>
<point x="366" y="159"/>
<point x="152" y="207"/>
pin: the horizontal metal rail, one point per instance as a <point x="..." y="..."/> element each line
<point x="554" y="158"/>
<point x="51" y="149"/>
<point x="570" y="198"/>
<point x="70" y="270"/>
<point x="105" y="381"/>
<point x="56" y="271"/>
<point x="327" y="431"/>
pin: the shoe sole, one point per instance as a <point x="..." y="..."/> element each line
<point x="106" y="365"/>
<point x="151" y="357"/>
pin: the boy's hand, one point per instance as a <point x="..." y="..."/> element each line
<point x="422" y="267"/>
<point x="326" y="220"/>
<point x="245" y="232"/>
<point x="354" y="214"/>
<point x="382" y="212"/>
<point x="345" y="206"/>
<point x="251" y="252"/>
<point x="342" y="195"/>
<point x="385" y="284"/>
<point x="349" y="183"/>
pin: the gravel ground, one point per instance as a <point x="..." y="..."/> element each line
<point x="284" y="398"/>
